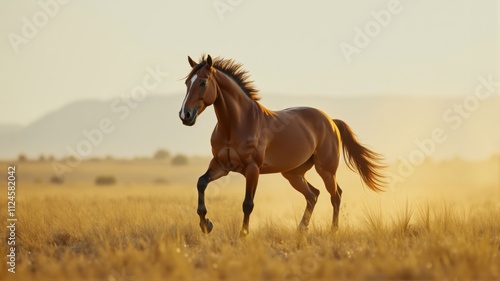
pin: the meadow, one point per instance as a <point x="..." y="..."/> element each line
<point x="441" y="223"/>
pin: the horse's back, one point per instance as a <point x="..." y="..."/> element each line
<point x="295" y="133"/>
<point x="309" y="118"/>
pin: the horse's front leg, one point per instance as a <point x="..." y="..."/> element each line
<point x="205" y="224"/>
<point x="214" y="172"/>
<point x="252" y="177"/>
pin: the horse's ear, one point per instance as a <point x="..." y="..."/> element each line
<point x="191" y="62"/>
<point x="209" y="61"/>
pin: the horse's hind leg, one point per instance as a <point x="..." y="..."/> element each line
<point x="334" y="190"/>
<point x="297" y="180"/>
<point x="336" y="206"/>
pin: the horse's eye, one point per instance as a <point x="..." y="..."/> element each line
<point x="203" y="83"/>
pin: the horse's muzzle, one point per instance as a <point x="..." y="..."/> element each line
<point x="189" y="116"/>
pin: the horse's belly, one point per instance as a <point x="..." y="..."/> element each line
<point x="283" y="164"/>
<point x="272" y="168"/>
<point x="285" y="156"/>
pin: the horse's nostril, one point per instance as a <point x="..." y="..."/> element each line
<point x="188" y="115"/>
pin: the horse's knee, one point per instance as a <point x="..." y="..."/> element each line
<point x="247" y="207"/>
<point x="312" y="198"/>
<point x="202" y="210"/>
<point x="314" y="190"/>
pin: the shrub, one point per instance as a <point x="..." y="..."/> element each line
<point x="56" y="180"/>
<point x="160" y="181"/>
<point x="161" y="154"/>
<point x="105" y="180"/>
<point x="180" y="160"/>
<point x="22" y="158"/>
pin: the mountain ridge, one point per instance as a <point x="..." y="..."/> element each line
<point x="389" y="124"/>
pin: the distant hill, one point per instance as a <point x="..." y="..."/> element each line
<point x="390" y="125"/>
<point x="10" y="129"/>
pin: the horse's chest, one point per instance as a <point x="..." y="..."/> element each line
<point x="230" y="159"/>
<point x="235" y="155"/>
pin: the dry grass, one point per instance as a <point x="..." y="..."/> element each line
<point x="150" y="232"/>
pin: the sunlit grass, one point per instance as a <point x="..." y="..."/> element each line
<point x="138" y="236"/>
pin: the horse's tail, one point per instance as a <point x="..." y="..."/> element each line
<point x="357" y="157"/>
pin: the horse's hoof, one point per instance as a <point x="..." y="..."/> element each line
<point x="243" y="233"/>
<point x="302" y="228"/>
<point x="335" y="228"/>
<point x="206" y="226"/>
<point x="210" y="225"/>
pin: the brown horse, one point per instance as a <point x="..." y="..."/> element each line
<point x="252" y="140"/>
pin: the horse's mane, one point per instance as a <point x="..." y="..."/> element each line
<point x="234" y="70"/>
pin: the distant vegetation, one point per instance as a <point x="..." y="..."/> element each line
<point x="105" y="180"/>
<point x="160" y="181"/>
<point x="43" y="158"/>
<point x="161" y="154"/>
<point x="22" y="158"/>
<point x="56" y="180"/>
<point x="180" y="159"/>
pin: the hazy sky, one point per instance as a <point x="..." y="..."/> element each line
<point x="101" y="49"/>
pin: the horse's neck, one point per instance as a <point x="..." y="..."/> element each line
<point x="232" y="106"/>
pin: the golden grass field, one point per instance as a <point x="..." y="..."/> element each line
<point x="442" y="223"/>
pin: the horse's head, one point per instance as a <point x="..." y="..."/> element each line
<point x="201" y="91"/>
